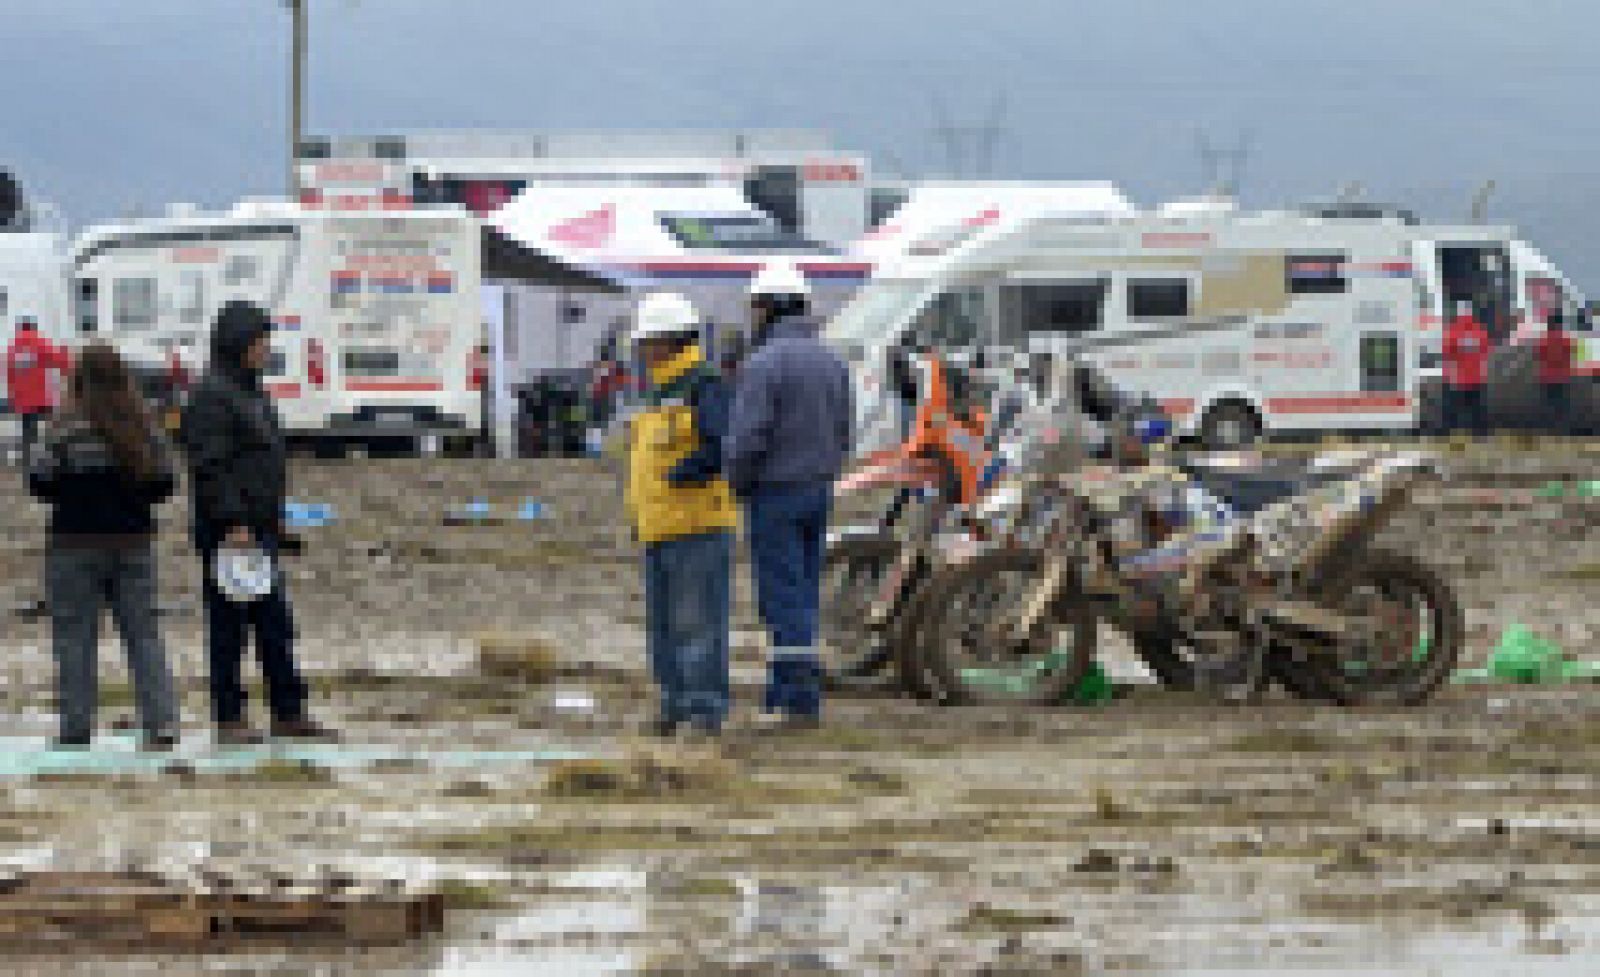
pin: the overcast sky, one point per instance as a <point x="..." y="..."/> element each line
<point x="111" y="104"/>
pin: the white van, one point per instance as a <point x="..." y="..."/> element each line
<point x="1240" y="324"/>
<point x="378" y="312"/>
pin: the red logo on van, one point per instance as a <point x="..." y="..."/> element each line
<point x="592" y="230"/>
<point x="831" y="173"/>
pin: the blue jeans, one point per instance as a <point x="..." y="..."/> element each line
<point x="81" y="581"/>
<point x="788" y="528"/>
<point x="686" y="625"/>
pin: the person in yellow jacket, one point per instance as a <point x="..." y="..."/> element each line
<point x="684" y="514"/>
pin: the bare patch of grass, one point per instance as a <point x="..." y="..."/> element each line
<point x="1285" y="740"/>
<point x="467" y="894"/>
<point x="988" y="918"/>
<point x="525" y="658"/>
<point x="283" y="772"/>
<point x="646" y="774"/>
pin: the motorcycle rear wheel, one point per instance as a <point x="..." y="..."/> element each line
<point x="1428" y="633"/>
<point x="908" y="644"/>
<point x="957" y="610"/>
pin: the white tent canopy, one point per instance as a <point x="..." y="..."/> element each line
<point x="600" y="227"/>
<point x="937" y="207"/>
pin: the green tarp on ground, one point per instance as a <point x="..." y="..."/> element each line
<point x="1525" y="658"/>
<point x="1094" y="687"/>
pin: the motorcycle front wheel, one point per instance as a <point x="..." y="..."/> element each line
<point x="855" y="569"/>
<point x="957" y="631"/>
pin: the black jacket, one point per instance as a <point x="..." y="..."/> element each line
<point x="89" y="493"/>
<point x="238" y="461"/>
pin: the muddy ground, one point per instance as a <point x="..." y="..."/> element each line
<point x="1152" y="835"/>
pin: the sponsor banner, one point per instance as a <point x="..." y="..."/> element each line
<point x="1381" y="269"/>
<point x="827" y="171"/>
<point x="1175" y="239"/>
<point x="393" y="264"/>
<point x="1340" y="404"/>
<point x="394" y="385"/>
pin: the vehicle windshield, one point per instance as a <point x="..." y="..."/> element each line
<point x="737" y="232"/>
<point x="875" y="310"/>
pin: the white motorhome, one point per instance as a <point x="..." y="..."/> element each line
<point x="1239" y="323"/>
<point x="377" y="311"/>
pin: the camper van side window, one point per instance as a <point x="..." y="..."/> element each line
<point x="1315" y="274"/>
<point x="133" y="303"/>
<point x="86" y="300"/>
<point x="1158" y="298"/>
<point x="240" y="270"/>
<point x="1052" y="307"/>
<point x="192" y="297"/>
<point x="955" y="319"/>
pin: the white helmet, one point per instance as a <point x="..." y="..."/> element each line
<point x="780" y="277"/>
<point x="665" y="314"/>
<point x="243" y="575"/>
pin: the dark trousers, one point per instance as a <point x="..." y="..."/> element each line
<point x="1467" y="409"/>
<point x="227" y="628"/>
<point x="787" y="528"/>
<point x="1557" y="415"/>
<point x="80" y="583"/>
<point x="30" y="432"/>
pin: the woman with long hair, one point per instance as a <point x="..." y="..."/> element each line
<point x="103" y="468"/>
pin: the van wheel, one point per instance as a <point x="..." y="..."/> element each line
<point x="1228" y="427"/>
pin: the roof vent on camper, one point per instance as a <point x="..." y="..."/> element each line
<point x="1200" y="207"/>
<point x="13" y="215"/>
<point x="1354" y="211"/>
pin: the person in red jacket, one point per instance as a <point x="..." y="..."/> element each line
<point x="1466" y="371"/>
<point x="29" y="362"/>
<point x="1555" y="372"/>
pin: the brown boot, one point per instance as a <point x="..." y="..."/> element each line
<point x="238" y="734"/>
<point x="302" y="729"/>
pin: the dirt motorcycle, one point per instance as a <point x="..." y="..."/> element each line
<point x="874" y="571"/>
<point x="1238" y="572"/>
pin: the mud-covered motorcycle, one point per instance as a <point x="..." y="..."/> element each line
<point x="1223" y="575"/>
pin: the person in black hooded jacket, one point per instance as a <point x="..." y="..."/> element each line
<point x="238" y="474"/>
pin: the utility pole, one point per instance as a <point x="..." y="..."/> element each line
<point x="297" y="89"/>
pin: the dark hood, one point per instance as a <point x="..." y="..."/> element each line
<point x="237" y="325"/>
<point x="787" y="327"/>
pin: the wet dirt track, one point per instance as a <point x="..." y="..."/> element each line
<point x="1150" y="835"/>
